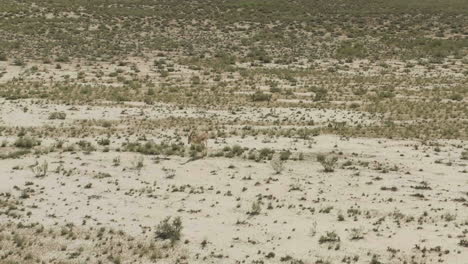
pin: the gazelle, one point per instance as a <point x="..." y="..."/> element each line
<point x="199" y="138"/>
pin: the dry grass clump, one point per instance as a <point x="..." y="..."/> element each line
<point x="57" y="115"/>
<point x="40" y="169"/>
<point x="169" y="230"/>
<point x="123" y="84"/>
<point x="328" y="162"/>
<point x="152" y="148"/>
<point x="277" y="164"/>
<point x="26" y="142"/>
<point x="20" y="243"/>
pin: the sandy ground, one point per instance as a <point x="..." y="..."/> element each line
<point x="390" y="201"/>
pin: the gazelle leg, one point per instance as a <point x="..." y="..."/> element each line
<point x="206" y="148"/>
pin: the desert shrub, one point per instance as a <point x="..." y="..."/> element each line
<point x="329" y="237"/>
<point x="356" y="234"/>
<point x="40" y="170"/>
<point x="116" y="161"/>
<point x="326" y="210"/>
<point x="456" y="97"/>
<point x="328" y="162"/>
<point x="237" y="150"/>
<point x="62" y="59"/>
<point x="360" y="91"/>
<point x="102" y="175"/>
<point x="266" y="153"/>
<point x="284" y="155"/>
<point x="386" y="94"/>
<point x="464" y="155"/>
<point x="260" y="96"/>
<point x="104" y="141"/>
<point x="259" y="54"/>
<point x="341" y="218"/>
<point x="152" y="148"/>
<point x="275" y="90"/>
<point x="436" y="48"/>
<point x="320" y="93"/>
<point x="57" y="115"/>
<point x="375" y="260"/>
<point x="351" y="50"/>
<point x="14" y="154"/>
<point x="26" y="142"/>
<point x="18" y="62"/>
<point x="463" y="243"/>
<point x="230" y="152"/>
<point x="277" y="164"/>
<point x="393" y="188"/>
<point x="195" y="149"/>
<point x="449" y="217"/>
<point x="168" y="230"/>
<point x="256" y="208"/>
<point x="300" y="156"/>
<point x="86" y="146"/>
<point x="19" y="241"/>
<point x="104" y="123"/>
<point x="138" y="163"/>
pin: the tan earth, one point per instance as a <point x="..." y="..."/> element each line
<point x="234" y="131"/>
<point x="397" y="200"/>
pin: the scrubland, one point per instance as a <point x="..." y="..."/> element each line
<point x="337" y="131"/>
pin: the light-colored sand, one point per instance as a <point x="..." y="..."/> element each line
<point x="214" y="195"/>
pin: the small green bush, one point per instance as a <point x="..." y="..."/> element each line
<point x="261" y="97"/>
<point x="40" y="170"/>
<point x="256" y="208"/>
<point x="26" y="142"/>
<point x="328" y="162"/>
<point x="330" y="237"/>
<point x="57" y="115"/>
<point x="168" y="230"/>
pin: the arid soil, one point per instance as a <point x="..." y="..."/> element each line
<point x="385" y="200"/>
<point x="233" y="131"/>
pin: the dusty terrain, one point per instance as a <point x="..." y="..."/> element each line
<point x="330" y="139"/>
<point x="400" y="200"/>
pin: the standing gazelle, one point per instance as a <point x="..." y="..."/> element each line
<point x="199" y="138"/>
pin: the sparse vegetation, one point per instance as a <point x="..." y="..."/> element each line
<point x="57" y="115"/>
<point x="115" y="113"/>
<point x="40" y="169"/>
<point x="169" y="230"/>
<point x="328" y="162"/>
<point x="256" y="208"/>
<point x="26" y="142"/>
<point x="277" y="164"/>
<point x="329" y="237"/>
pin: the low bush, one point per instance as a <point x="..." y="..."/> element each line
<point x="169" y="230"/>
<point x="328" y="162"/>
<point x="26" y="142"/>
<point x="57" y="115"/>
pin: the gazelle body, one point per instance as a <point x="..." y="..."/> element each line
<point x="199" y="138"/>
